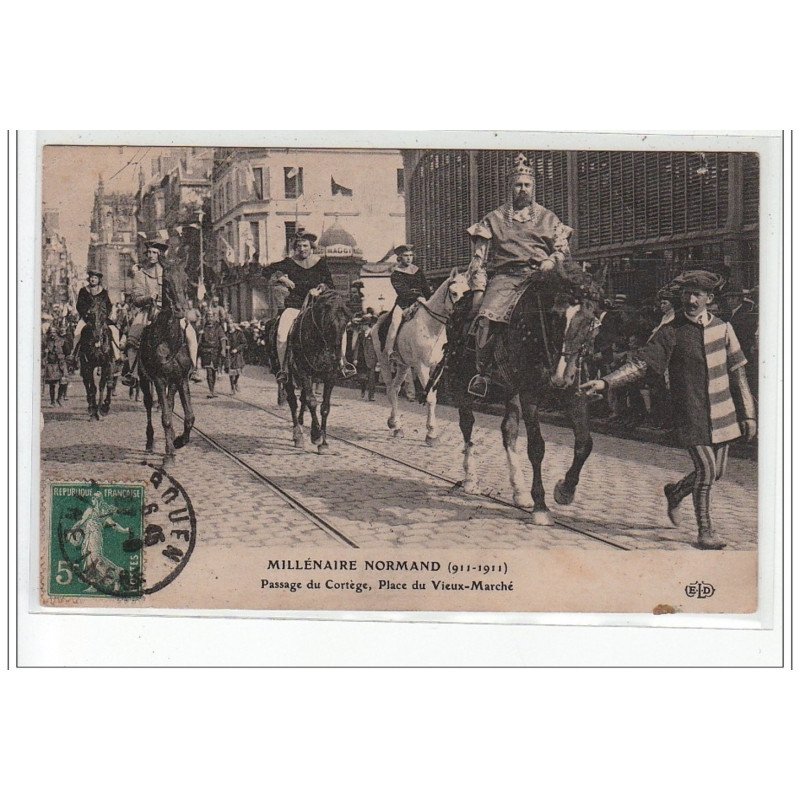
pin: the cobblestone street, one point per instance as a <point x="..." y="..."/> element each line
<point x="381" y="503"/>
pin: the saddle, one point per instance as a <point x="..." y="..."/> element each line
<point x="384" y="319"/>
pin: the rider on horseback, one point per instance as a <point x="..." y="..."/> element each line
<point x="303" y="274"/>
<point x="89" y="298"/>
<point x="517" y="240"/>
<point x="410" y="283"/>
<point x="146" y="297"/>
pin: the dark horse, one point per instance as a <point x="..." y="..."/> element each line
<point x="540" y="351"/>
<point x="315" y="353"/>
<point x="164" y="363"/>
<point x="95" y="352"/>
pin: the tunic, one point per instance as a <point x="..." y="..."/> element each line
<point x="53" y="359"/>
<point x="86" y="300"/>
<point x="237" y="343"/>
<point x="409" y="285"/>
<point x="698" y="358"/>
<point x="304" y="279"/>
<point x="518" y="242"/>
<point x="212" y="342"/>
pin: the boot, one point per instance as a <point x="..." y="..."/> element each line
<point x="62" y="393"/>
<point x="129" y="369"/>
<point x="212" y="379"/>
<point x="52" y="388"/>
<point x="673" y="505"/>
<point x="479" y="384"/>
<point x="706" y="538"/>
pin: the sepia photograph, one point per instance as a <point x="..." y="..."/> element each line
<point x="513" y="379"/>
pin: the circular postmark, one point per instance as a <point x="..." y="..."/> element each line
<point x="121" y="540"/>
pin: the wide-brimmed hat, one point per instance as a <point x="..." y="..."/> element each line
<point x="701" y="279"/>
<point x="156" y="245"/>
<point x="95" y="272"/>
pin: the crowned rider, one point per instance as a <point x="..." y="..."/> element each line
<point x="411" y="285"/>
<point x="515" y="241"/>
<point x="303" y="273"/>
<point x="146" y="298"/>
<point x="89" y="298"/>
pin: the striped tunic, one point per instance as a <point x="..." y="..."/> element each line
<point x="699" y="357"/>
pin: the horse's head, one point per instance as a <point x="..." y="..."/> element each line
<point x="457" y="286"/>
<point x="174" y="289"/>
<point x="331" y="315"/>
<point x="580" y="328"/>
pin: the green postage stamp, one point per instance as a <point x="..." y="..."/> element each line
<point x="96" y="540"/>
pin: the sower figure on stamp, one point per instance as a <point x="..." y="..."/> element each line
<point x="88" y="297"/>
<point x="410" y="284"/>
<point x="146" y="297"/>
<point x="711" y="397"/>
<point x="514" y="241"/>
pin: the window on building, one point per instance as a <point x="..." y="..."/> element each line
<point x="258" y="182"/>
<point x="293" y="182"/>
<point x="290" y="230"/>
<point x="401" y="187"/>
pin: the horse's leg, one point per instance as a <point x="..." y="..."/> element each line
<point x="91" y="390"/>
<point x="188" y="413"/>
<point x="291" y="399"/>
<point x="310" y="399"/>
<point x="147" y="395"/>
<point x="466" y="421"/>
<point x="104" y="391"/>
<point x="395" y="421"/>
<point x="166" y="400"/>
<point x="578" y="411"/>
<point x="510" y="430"/>
<point x="530" y="413"/>
<point x="432" y="435"/>
<point x="325" y="408"/>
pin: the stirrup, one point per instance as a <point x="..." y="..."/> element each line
<point x="478" y="386"/>
<point x="128" y="379"/>
<point x="348" y="370"/>
<point x="282" y="376"/>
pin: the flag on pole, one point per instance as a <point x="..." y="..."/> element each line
<point x="179" y="230"/>
<point x="291" y="172"/>
<point x="164" y="235"/>
<point x="337" y="188"/>
<point x="201" y="291"/>
<point x="229" y="252"/>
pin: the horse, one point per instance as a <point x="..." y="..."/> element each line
<point x="315" y="352"/>
<point x="418" y="347"/>
<point x="165" y="364"/>
<point x="96" y="354"/>
<point x="542" y="349"/>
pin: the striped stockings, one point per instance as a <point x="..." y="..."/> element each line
<point x="710" y="462"/>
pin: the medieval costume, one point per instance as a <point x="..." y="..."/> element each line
<point x="702" y="356"/>
<point x="514" y="242"/>
<point x="410" y="283"/>
<point x="303" y="274"/>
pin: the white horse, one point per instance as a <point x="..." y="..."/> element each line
<point x="419" y="347"/>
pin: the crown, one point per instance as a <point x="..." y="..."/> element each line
<point x="521" y="167"/>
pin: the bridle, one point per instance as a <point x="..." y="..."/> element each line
<point x="442" y="318"/>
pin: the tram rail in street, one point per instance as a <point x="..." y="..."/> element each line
<point x="453" y="484"/>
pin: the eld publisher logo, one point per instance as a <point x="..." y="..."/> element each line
<point x="699" y="589"/>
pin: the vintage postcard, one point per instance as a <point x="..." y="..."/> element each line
<point x="528" y="374"/>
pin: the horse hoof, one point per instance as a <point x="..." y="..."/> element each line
<point x="469" y="487"/>
<point x="104" y="412"/>
<point x="179" y="442"/>
<point x="542" y="518"/>
<point x="562" y="494"/>
<point x="323" y="448"/>
<point x="431" y="441"/>
<point x="522" y="500"/>
<point x="398" y="433"/>
<point x="316" y="442"/>
<point x="390" y="423"/>
<point x="149" y="449"/>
